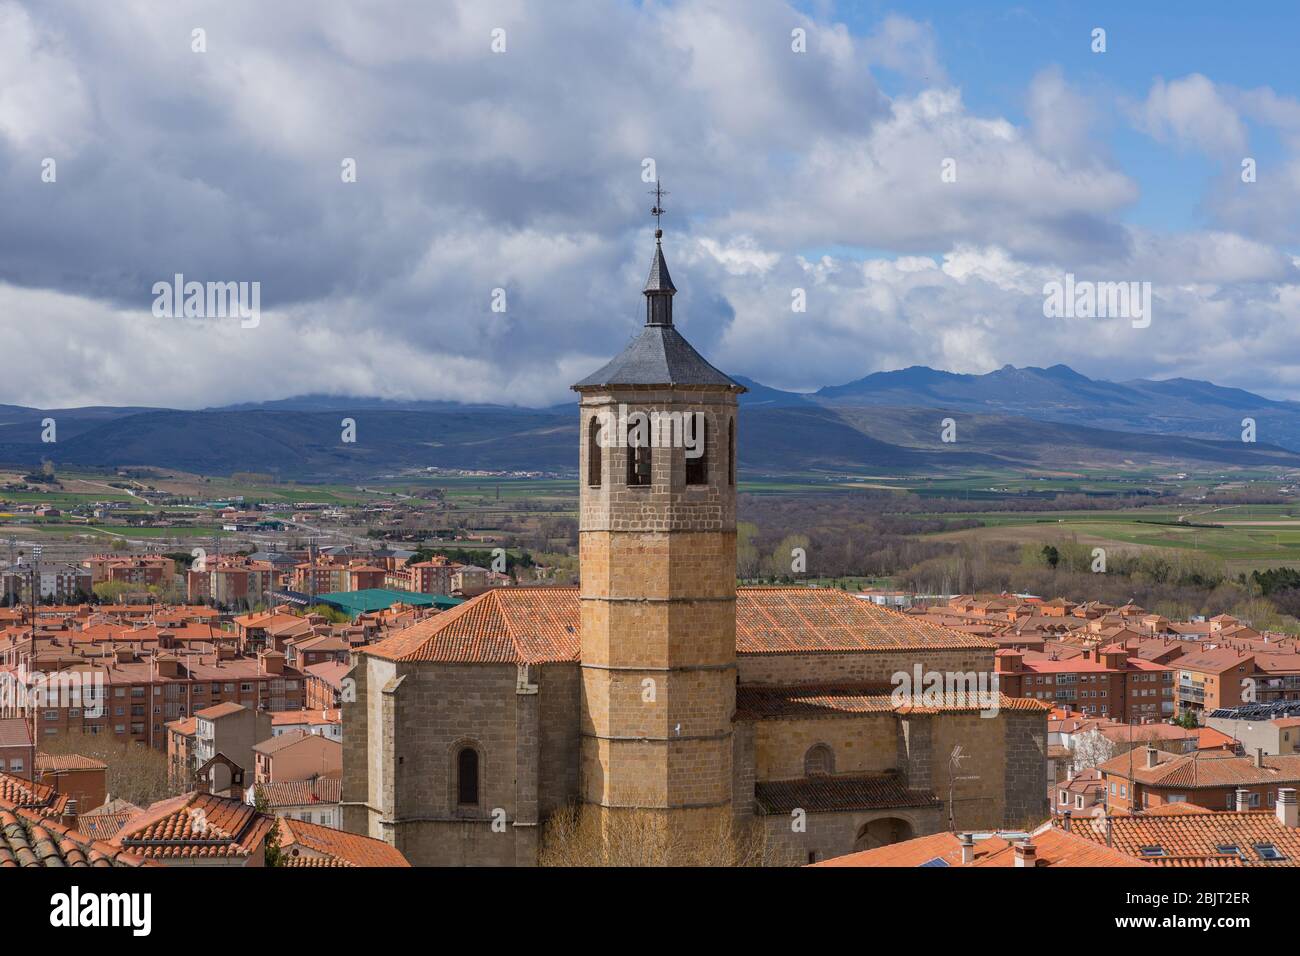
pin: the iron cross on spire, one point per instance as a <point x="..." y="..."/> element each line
<point x="657" y="209"/>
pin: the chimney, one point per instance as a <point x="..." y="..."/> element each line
<point x="1026" y="854"/>
<point x="1065" y="820"/>
<point x="1286" y="807"/>
<point x="1259" y="758"/>
<point x="1243" y="799"/>
<point x="1153" y="757"/>
<point x="968" y="846"/>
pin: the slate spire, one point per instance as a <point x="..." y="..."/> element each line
<point x="659" y="288"/>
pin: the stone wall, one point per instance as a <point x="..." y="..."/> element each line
<point x="860" y="744"/>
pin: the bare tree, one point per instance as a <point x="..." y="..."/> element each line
<point x="1091" y="749"/>
<point x="136" y="772"/>
<point x="590" y="836"/>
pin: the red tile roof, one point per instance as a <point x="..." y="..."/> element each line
<point x="17" y="792"/>
<point x="217" y="711"/>
<point x="301" y="793"/>
<point x="1194" y="839"/>
<point x="56" y="762"/>
<point x="542" y="625"/>
<point x="1204" y="769"/>
<point x="28" y="839"/>
<point x="1051" y="848"/>
<point x="195" y="825"/>
<point x="759" y="702"/>
<point x="310" y="844"/>
<point x="15" y="732"/>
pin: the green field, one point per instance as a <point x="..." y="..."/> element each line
<point x="1249" y="536"/>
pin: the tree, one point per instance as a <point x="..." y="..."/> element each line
<point x="1051" y="556"/>
<point x="589" y="836"/>
<point x="1091" y="749"/>
<point x="136" y="772"/>
<point x="272" y="849"/>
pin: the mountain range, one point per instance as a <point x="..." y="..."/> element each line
<point x="1046" y="419"/>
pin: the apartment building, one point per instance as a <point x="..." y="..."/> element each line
<point x="1098" y="683"/>
<point x="296" y="755"/>
<point x="230" y="729"/>
<point x="17" y="749"/>
<point x="59" y="583"/>
<point x="144" y="570"/>
<point x="131" y="696"/>
<point x="1273" y="727"/>
<point x="231" y="581"/>
<point x="1216" y="780"/>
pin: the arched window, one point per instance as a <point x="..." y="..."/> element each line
<point x="638" y="466"/>
<point x="731" y="452"/>
<point x="467" y="777"/>
<point x="594" y="463"/>
<point x="697" y="468"/>
<point x="819" y="761"/>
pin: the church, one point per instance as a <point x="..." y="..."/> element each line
<point x="657" y="686"/>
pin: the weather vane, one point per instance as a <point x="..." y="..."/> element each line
<point x="657" y="209"/>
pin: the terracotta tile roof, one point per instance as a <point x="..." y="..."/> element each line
<point x="28" y="839"/>
<point x="195" y="825"/>
<point x="105" y="826"/>
<point x="818" y="794"/>
<point x="299" y="840"/>
<point x="313" y="717"/>
<point x="799" y="620"/>
<point x="56" y="762"/>
<point x="1057" y="848"/>
<point x="291" y="738"/>
<point x="186" y="726"/>
<point x="16" y="792"/>
<point x="1194" y="838"/>
<point x="300" y="793"/>
<point x="1051" y="848"/>
<point x="760" y="702"/>
<point x="1205" y="769"/>
<point x="15" y="732"/>
<point x="1175" y="810"/>
<point x="542" y="624"/>
<point x="1207" y="738"/>
<point x="217" y="711"/>
<point x="331" y="672"/>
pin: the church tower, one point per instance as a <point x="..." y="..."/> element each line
<point x="657" y="528"/>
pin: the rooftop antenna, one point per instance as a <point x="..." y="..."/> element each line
<point x="954" y="765"/>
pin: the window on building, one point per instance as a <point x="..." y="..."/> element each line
<point x="638" y="465"/>
<point x="467" y="777"/>
<point x="819" y="761"/>
<point x="594" y="462"/>
<point x="697" y="468"/>
<point x="1268" y="851"/>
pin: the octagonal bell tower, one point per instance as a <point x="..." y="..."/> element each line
<point x="657" y="529"/>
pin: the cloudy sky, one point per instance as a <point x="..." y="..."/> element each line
<point x="523" y="170"/>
